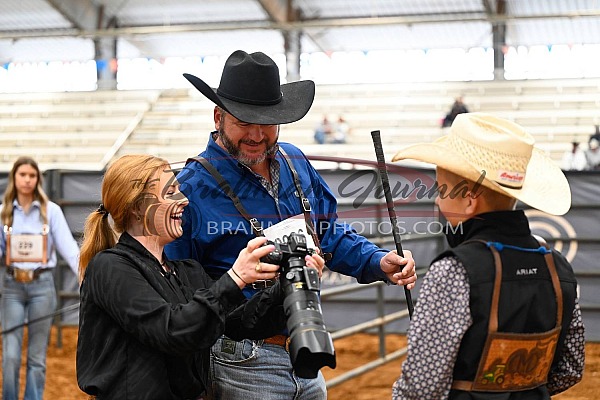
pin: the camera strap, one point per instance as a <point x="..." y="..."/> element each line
<point x="255" y="224"/>
<point x="224" y="185"/>
<point x="305" y="204"/>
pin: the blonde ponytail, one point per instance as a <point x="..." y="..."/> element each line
<point x="97" y="236"/>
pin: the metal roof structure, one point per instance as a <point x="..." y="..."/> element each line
<point x="49" y="30"/>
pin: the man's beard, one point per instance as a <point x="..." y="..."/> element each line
<point x="237" y="153"/>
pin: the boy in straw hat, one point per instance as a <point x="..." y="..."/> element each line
<point x="497" y="315"/>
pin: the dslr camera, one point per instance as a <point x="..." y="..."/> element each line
<point x="311" y="346"/>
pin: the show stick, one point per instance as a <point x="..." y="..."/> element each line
<point x="385" y="182"/>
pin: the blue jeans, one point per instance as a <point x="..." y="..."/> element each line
<point x="20" y="302"/>
<point x="253" y="370"/>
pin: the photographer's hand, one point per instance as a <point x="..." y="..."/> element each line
<point x="248" y="268"/>
<point x="315" y="261"/>
<point x="400" y="270"/>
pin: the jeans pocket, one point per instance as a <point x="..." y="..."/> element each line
<point x="229" y="351"/>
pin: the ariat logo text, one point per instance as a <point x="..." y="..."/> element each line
<point x="527" y="271"/>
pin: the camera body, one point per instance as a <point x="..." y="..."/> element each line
<point x="311" y="346"/>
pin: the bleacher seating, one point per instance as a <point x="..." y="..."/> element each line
<point x="73" y="130"/>
<point x="83" y="130"/>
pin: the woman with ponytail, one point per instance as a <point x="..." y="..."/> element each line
<point x="33" y="228"/>
<point x="147" y="323"/>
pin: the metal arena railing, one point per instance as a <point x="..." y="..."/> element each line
<point x="380" y="322"/>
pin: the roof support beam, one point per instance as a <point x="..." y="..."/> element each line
<point x="283" y="11"/>
<point x="496" y="12"/>
<point x="276" y="9"/>
<point x="82" y="14"/>
<point x="287" y="26"/>
<point x="499" y="40"/>
<point x="487" y="6"/>
<point x="86" y="16"/>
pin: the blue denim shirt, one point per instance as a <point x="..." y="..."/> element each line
<point x="214" y="232"/>
<point x="59" y="235"/>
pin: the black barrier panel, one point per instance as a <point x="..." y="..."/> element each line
<point x="81" y="186"/>
<point x="363" y="207"/>
<point x="3" y="184"/>
<point x="574" y="235"/>
<point x="76" y="215"/>
<point x="78" y="194"/>
<point x="584" y="187"/>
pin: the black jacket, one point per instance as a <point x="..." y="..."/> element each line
<point x="147" y="335"/>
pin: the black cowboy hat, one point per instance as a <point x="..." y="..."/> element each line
<point x="250" y="91"/>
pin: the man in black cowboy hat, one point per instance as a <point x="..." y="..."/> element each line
<point x="246" y="181"/>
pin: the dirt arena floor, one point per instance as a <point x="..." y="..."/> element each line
<point x="61" y="383"/>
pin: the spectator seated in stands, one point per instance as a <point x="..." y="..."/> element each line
<point x="458" y="107"/>
<point x="592" y="154"/>
<point x="596" y="134"/>
<point x="342" y="129"/>
<point x="323" y="131"/>
<point x="574" y="159"/>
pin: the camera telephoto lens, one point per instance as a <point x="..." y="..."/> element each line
<point x="311" y="345"/>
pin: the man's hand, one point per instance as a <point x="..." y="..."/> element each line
<point x="400" y="270"/>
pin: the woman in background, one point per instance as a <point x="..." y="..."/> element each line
<point x="33" y="229"/>
<point x="147" y="323"/>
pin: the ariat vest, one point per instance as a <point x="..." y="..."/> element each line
<point x="521" y="302"/>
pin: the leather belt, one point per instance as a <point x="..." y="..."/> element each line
<point x="18" y="273"/>
<point x="279" y="340"/>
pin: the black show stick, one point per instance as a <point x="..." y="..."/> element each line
<point x="385" y="182"/>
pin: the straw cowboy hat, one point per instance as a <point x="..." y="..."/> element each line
<point x="250" y="91"/>
<point x="480" y="143"/>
